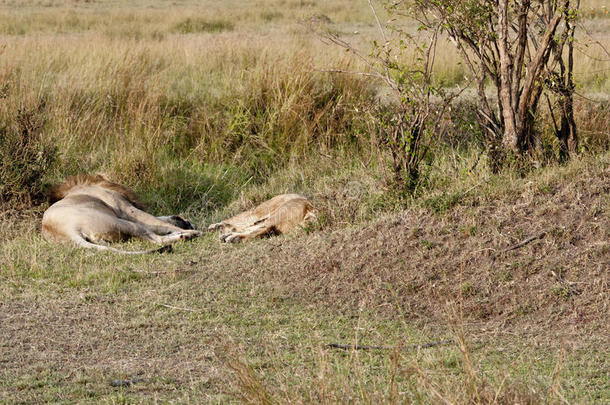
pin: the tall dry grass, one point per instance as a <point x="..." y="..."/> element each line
<point x="217" y="102"/>
<point x="130" y="108"/>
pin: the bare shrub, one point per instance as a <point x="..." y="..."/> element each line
<point x="524" y="50"/>
<point x="403" y="126"/>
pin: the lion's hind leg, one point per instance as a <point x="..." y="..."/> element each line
<point x="156" y="225"/>
<point x="117" y="229"/>
<point x="113" y="229"/>
<point x="250" y="233"/>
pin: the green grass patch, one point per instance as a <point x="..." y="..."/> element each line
<point x="198" y="25"/>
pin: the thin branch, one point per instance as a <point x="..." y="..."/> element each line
<point x="479" y="74"/>
<point x="525" y="242"/>
<point x="409" y="347"/>
<point x="160" y="272"/>
<point x="385" y="40"/>
<point x="588" y="98"/>
<point x="346" y="45"/>
<point x="476" y="162"/>
<point x="555" y="127"/>
<point x="178" y="308"/>
<point x="375" y="75"/>
<point x="534" y="66"/>
<point x="385" y="45"/>
<point x="595" y="41"/>
<point x="493" y="124"/>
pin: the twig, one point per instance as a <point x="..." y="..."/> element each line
<point x="160" y="272"/>
<point x="525" y="242"/>
<point x="180" y="308"/>
<point x="357" y="347"/>
<point x="386" y="70"/>
<point x="385" y="40"/>
<point x="125" y="383"/>
<point x="375" y="75"/>
<point x="410" y="347"/>
<point x="588" y="99"/>
<point x="482" y="250"/>
<point x="274" y="246"/>
<point x="476" y="162"/>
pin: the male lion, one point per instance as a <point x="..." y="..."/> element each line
<point x="88" y="209"/>
<point x="273" y="217"/>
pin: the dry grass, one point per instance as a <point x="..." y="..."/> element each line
<point x="250" y="322"/>
<point x="210" y="108"/>
<point x="232" y="79"/>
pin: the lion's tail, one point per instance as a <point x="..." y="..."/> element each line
<point x="83" y="242"/>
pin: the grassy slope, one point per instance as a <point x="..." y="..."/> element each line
<point x="253" y="319"/>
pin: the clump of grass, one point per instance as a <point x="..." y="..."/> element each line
<point x="197" y="25"/>
<point x="281" y="111"/>
<point x="592" y="117"/>
<point x="193" y="189"/>
<point x="442" y="203"/>
<point x="26" y="157"/>
<point x="251" y="388"/>
<point x="271" y="15"/>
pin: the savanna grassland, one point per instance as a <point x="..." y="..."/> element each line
<point x="207" y="108"/>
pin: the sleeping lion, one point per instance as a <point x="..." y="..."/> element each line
<point x="273" y="217"/>
<point x="87" y="210"/>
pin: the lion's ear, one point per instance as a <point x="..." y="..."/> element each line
<point x="310" y="217"/>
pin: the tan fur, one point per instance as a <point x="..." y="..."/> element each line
<point x="88" y="209"/>
<point x="275" y="216"/>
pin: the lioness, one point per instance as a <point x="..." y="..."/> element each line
<point x="273" y="217"/>
<point x="88" y="209"/>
